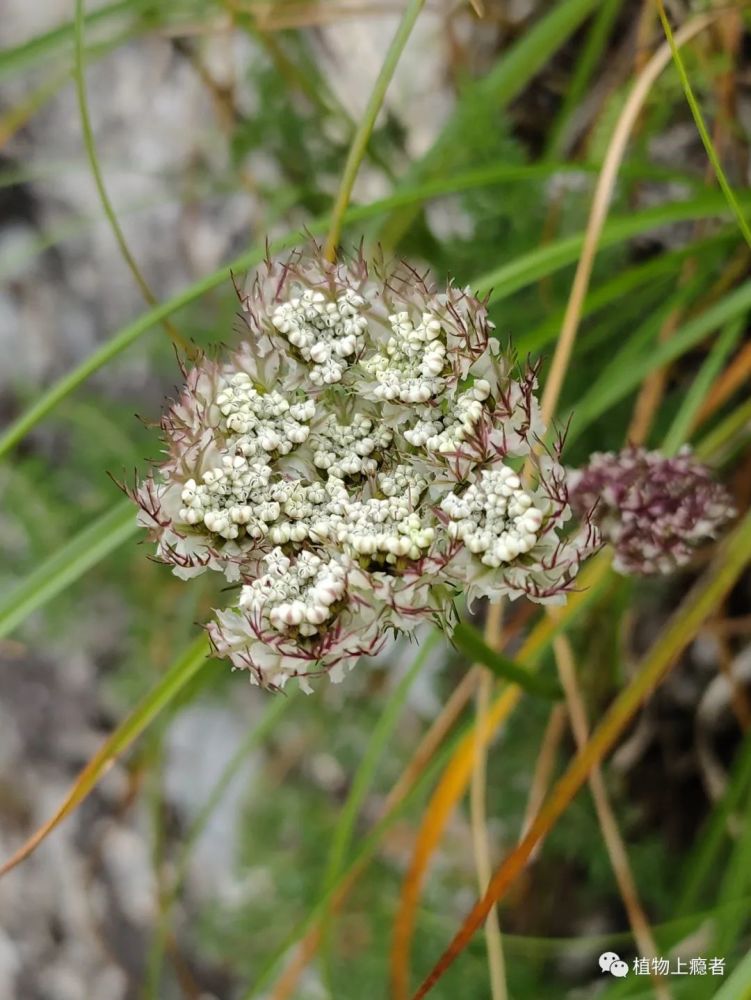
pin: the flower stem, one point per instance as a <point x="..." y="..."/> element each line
<point x="480" y="840"/>
<point x="367" y="124"/>
<point x="79" y="71"/>
<point x="611" y="834"/>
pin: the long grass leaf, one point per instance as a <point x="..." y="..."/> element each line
<point x="527" y="269"/>
<point x="738" y="985"/>
<point x="184" y="669"/>
<point x="732" y="558"/>
<point x="507" y="79"/>
<point x="472" y="643"/>
<point x="68" y="564"/>
<point x="623" y="380"/>
<point x="365" y="127"/>
<point x="273" y="711"/>
<point x="364" y="853"/>
<point x="79" y="76"/>
<point x="702" y="128"/>
<point x="363" y="778"/>
<point x="456" y="777"/>
<point x="683" y="421"/>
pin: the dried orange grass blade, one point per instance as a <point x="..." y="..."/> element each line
<point x="451" y="788"/>
<point x="738" y="372"/>
<point x="710" y="590"/>
<point x="456" y="777"/>
<point x="431" y="741"/>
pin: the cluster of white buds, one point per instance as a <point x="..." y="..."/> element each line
<point x="230" y="496"/>
<point x="328" y="333"/>
<point x="414" y="359"/>
<point x="495" y="518"/>
<point x="348" y="449"/>
<point x="296" y="596"/>
<point x="262" y="422"/>
<point x="402" y="480"/>
<point x="384" y="529"/>
<point x="446" y="432"/>
<point x="351" y="465"/>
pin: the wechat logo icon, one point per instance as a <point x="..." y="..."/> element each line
<point x="610" y="962"/>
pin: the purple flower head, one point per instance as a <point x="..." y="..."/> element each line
<point x="654" y="511"/>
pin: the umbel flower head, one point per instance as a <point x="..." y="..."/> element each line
<point x="654" y="511"/>
<point x="353" y="466"/>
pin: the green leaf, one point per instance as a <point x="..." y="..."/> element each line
<point x="680" y="428"/>
<point x="366" y="771"/>
<point x="342" y="836"/>
<point x="523" y="271"/>
<point x="625" y="378"/>
<point x="734" y="424"/>
<point x="59" y="41"/>
<point x="183" y="670"/>
<point x="365" y="850"/>
<point x="471" y="642"/>
<point x="527" y="268"/>
<point x="591" y="54"/>
<point x="498" y="88"/>
<point x="69" y="563"/>
<point x="701" y="128"/>
<point x="704" y="861"/>
<point x="660" y="267"/>
<point x="275" y="707"/>
<point x="738" y="986"/>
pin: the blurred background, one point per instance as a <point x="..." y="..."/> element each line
<point x="220" y="124"/>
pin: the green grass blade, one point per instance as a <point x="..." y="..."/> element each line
<point x="704" y="859"/>
<point x="69" y="563"/>
<point x="702" y="128"/>
<point x="43" y="47"/>
<point x="59" y="41"/>
<point x="734" y="884"/>
<point x="523" y="271"/>
<point x="592" y="51"/>
<point x="734" y="423"/>
<point x="275" y="707"/>
<point x="545" y="260"/>
<point x="365" y="773"/>
<point x="660" y="267"/>
<point x="472" y="643"/>
<point x="364" y="130"/>
<point x="183" y="670"/>
<point x="501" y="85"/>
<point x="623" y="380"/>
<point x="680" y="428"/>
<point x="344" y="830"/>
<point x="79" y="76"/>
<point x="364" y="853"/>
<point x="738" y="986"/>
